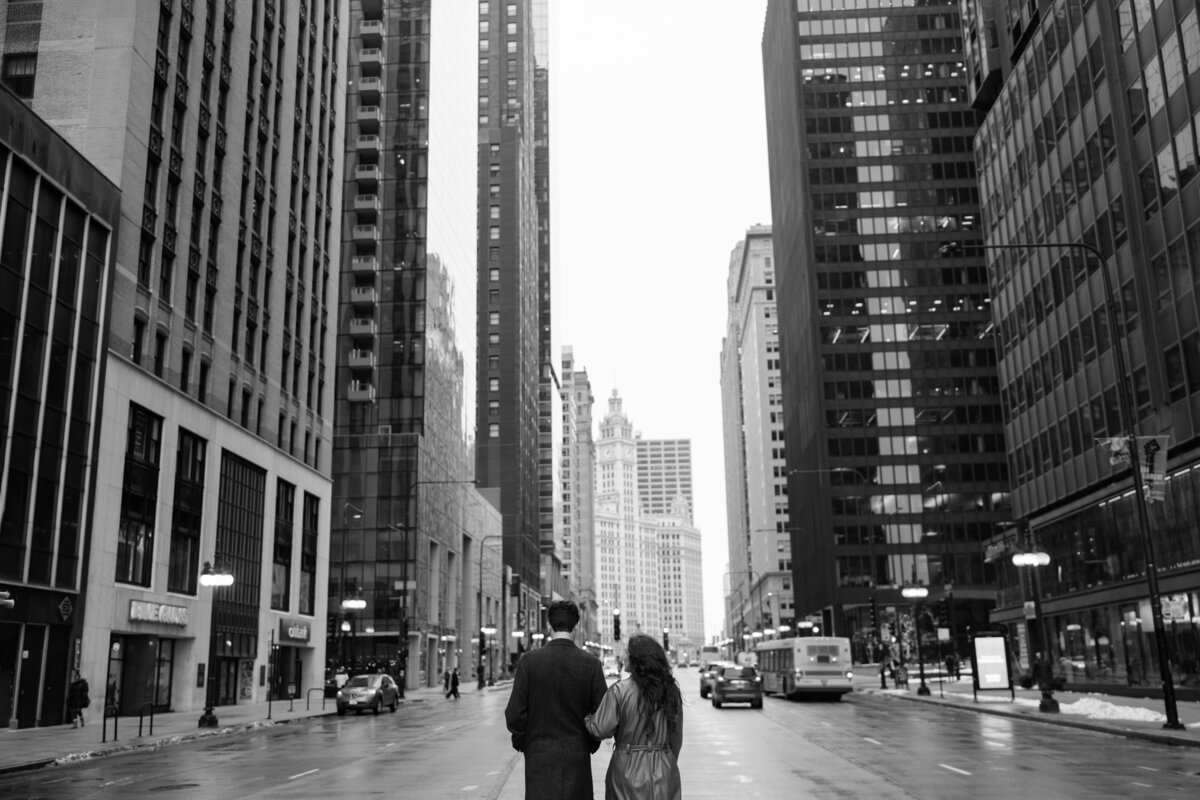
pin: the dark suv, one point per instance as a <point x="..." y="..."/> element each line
<point x="738" y="685"/>
<point x="708" y="675"/>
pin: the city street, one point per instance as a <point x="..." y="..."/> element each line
<point x="867" y="745"/>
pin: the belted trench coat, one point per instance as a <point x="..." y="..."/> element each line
<point x="644" y="764"/>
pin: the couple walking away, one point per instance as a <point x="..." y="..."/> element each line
<point x="561" y="708"/>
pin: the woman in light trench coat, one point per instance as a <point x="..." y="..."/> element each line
<point x="645" y="711"/>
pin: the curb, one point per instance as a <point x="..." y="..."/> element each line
<point x="1057" y="719"/>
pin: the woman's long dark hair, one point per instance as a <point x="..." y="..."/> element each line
<point x="650" y="670"/>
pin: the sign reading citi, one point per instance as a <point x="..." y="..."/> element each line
<point x="141" y="611"/>
<point x="293" y="630"/>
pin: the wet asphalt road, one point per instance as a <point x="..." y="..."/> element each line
<point x="865" y="746"/>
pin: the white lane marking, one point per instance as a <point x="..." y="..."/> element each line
<point x="302" y="774"/>
<point x="826" y="724"/>
<point x="470" y="788"/>
<point x="872" y="741"/>
<point x="995" y="744"/>
<point x="391" y="744"/>
<point x="439" y="728"/>
<point x="1143" y="785"/>
<point x="744" y="779"/>
<point x="1148" y="769"/>
<point x="494" y="772"/>
<point x="954" y="769"/>
<point x="732" y="764"/>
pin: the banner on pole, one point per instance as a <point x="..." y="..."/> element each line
<point x="1152" y="461"/>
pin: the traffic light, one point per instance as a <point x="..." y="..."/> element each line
<point x="945" y="612"/>
<point x="874" y="613"/>
<point x="6" y="600"/>
<point x="616" y="624"/>
<point x="666" y="640"/>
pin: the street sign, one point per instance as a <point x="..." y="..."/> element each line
<point x="943" y="634"/>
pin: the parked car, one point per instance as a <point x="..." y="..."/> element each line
<point x="736" y="684"/>
<point x="708" y="675"/>
<point x="374" y="692"/>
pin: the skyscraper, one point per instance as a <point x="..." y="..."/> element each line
<point x="219" y="121"/>
<point x="627" y="557"/>
<point x="578" y="511"/>
<point x="756" y="502"/>
<point x="514" y="369"/>
<point x="664" y="473"/>
<point x="1090" y="138"/>
<point x="892" y="411"/>
<point x="408" y="525"/>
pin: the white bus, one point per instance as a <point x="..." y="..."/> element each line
<point x="805" y="665"/>
<point x="708" y="654"/>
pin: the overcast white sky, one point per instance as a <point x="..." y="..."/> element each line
<point x="658" y="151"/>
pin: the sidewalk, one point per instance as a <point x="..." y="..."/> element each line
<point x="31" y="748"/>
<point x="1131" y="717"/>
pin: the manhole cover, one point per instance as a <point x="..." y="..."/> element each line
<point x="174" y="787"/>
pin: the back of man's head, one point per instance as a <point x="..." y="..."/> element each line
<point x="563" y="615"/>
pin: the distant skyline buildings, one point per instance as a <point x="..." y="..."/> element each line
<point x="664" y="473"/>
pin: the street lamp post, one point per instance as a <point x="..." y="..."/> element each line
<point x="487" y="631"/>
<point x="484" y="630"/>
<point x="918" y="595"/>
<point x="1033" y="559"/>
<point x="1129" y="424"/>
<point x="213" y="576"/>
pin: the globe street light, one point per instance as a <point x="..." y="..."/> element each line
<point x="918" y="594"/>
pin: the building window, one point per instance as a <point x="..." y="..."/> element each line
<point x="139" y="340"/>
<point x="160" y="353"/>
<point x="493" y="317"/>
<point x="185" y="371"/>
<point x="19" y="72"/>
<point x="202" y="383"/>
<point x="308" y="553"/>
<point x="281" y="571"/>
<point x="493" y="384"/>
<point x="139" y="497"/>
<point x="494" y="430"/>
<point x="186" y="514"/>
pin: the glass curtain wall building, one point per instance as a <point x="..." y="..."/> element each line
<point x="1093" y="114"/>
<point x="407" y="522"/>
<point x="894" y="445"/>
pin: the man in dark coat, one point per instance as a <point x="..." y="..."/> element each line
<point x="554" y="688"/>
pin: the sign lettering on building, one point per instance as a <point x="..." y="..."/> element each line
<point x="295" y="630"/>
<point x="142" y="611"/>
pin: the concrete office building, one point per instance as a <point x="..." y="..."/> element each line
<point x="408" y="523"/>
<point x="681" y="583"/>
<point x="513" y="366"/>
<point x="578" y="511"/>
<point x="893" y="428"/>
<point x="664" y="475"/>
<point x="758" y="587"/>
<point x="58" y="222"/>
<point x="1090" y="136"/>
<point x="220" y="123"/>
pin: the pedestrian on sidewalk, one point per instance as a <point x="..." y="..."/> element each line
<point x="454" y="685"/>
<point x="446" y="683"/>
<point x="951" y="667"/>
<point x="77" y="699"/>
<point x="554" y="688"/>
<point x="645" y="712"/>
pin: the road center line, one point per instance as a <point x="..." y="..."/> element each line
<point x="302" y="774"/>
<point x="470" y="788"/>
<point x="1143" y="785"/>
<point x="1148" y="769"/>
<point x="872" y="741"/>
<point x="954" y="769"/>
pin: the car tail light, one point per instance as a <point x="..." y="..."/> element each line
<point x="758" y="679"/>
<point x="849" y="674"/>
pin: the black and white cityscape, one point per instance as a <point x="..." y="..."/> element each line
<point x="848" y="348"/>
